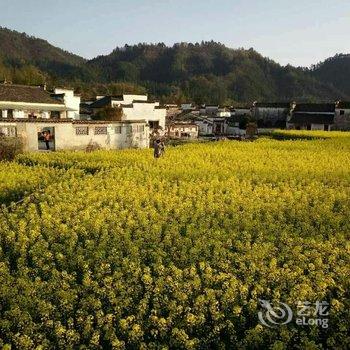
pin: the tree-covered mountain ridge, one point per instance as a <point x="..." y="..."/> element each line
<point x="206" y="72"/>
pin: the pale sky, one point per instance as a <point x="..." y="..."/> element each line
<point x="299" y="32"/>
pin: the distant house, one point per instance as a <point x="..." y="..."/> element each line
<point x="342" y="116"/>
<point x="271" y="114"/>
<point x="312" y="116"/>
<point x="223" y="112"/>
<point x="187" y="107"/>
<point x="182" y="130"/>
<point x="241" y="111"/>
<point x="172" y="110"/>
<point x="216" y="126"/>
<point x="133" y="107"/>
<point x="209" y="110"/>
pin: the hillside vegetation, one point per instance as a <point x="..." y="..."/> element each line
<point x="335" y="71"/>
<point x="206" y="72"/>
<point x="209" y="72"/>
<point x="26" y="59"/>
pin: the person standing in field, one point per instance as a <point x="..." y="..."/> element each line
<point x="159" y="148"/>
<point x="162" y="147"/>
<point x="47" y="139"/>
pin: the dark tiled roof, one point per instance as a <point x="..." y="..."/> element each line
<point x="312" y="118"/>
<point x="232" y="109"/>
<point x="105" y="101"/>
<point x="142" y="101"/>
<point x="27" y="94"/>
<point x="315" y="107"/>
<point x="272" y="104"/>
<point x="102" y="102"/>
<point x="343" y="105"/>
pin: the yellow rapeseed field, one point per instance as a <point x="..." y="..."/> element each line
<point x="117" y="250"/>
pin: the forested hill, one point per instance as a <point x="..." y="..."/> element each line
<point x="210" y="72"/>
<point x="336" y="71"/>
<point x="207" y="72"/>
<point x="28" y="60"/>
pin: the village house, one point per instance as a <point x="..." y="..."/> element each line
<point x="271" y="114"/>
<point x="182" y="130"/>
<point x="31" y="112"/>
<point x="133" y="107"/>
<point x="241" y="111"/>
<point x="70" y="100"/>
<point x="342" y="116"/>
<point x="311" y="116"/>
<point x="22" y="101"/>
<point x="186" y="107"/>
<point x="216" y="126"/>
<point x="209" y="110"/>
<point x="172" y="110"/>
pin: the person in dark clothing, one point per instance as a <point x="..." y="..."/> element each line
<point x="159" y="148"/>
<point x="47" y="137"/>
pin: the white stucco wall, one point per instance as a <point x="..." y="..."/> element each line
<point x="204" y="128"/>
<point x="127" y="99"/>
<point x="223" y="114"/>
<point x="66" y="138"/>
<point x="319" y="127"/>
<point x="146" y="111"/>
<point x="179" y="130"/>
<point x="71" y="101"/>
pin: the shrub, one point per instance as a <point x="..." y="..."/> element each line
<point x="10" y="147"/>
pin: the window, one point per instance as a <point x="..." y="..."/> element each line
<point x="118" y="129"/>
<point x="153" y="124"/>
<point x="55" y="115"/>
<point x="128" y="129"/>
<point x="101" y="130"/>
<point x="82" y="130"/>
<point x="342" y="112"/>
<point x="8" y="131"/>
<point x="10" y="113"/>
<point x="140" y="128"/>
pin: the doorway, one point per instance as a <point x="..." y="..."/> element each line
<point x="46" y="139"/>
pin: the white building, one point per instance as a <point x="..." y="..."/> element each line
<point x="70" y="100"/>
<point x="208" y="110"/>
<point x="31" y="112"/>
<point x="311" y="116"/>
<point x="33" y="102"/>
<point x="134" y="107"/>
<point x="211" y="125"/>
<point x="66" y="134"/>
<point x="182" y="130"/>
